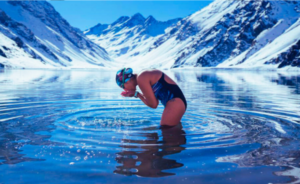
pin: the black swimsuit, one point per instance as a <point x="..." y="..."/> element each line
<point x="165" y="91"/>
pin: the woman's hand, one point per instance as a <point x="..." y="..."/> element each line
<point x="128" y="93"/>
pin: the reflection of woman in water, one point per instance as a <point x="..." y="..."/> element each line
<point x="155" y="85"/>
<point x="150" y="162"/>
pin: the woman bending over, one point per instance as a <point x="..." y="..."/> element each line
<point x="154" y="85"/>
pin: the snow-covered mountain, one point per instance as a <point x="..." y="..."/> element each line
<point x="227" y="33"/>
<point x="241" y="33"/>
<point x="128" y="37"/>
<point x="231" y="33"/>
<point x="34" y="35"/>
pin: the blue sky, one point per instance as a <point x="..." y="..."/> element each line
<point x="86" y="14"/>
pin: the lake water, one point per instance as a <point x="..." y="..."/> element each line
<point x="75" y="127"/>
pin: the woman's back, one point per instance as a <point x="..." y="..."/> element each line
<point x="154" y="75"/>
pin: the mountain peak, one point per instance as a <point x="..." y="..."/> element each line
<point x="138" y="16"/>
<point x="120" y="20"/>
<point x="97" y="29"/>
<point x="136" y="19"/>
<point x="150" y="19"/>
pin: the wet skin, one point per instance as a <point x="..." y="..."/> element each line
<point x="174" y="109"/>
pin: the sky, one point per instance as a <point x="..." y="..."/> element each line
<point x="86" y="14"/>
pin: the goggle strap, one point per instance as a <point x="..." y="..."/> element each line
<point x="123" y="77"/>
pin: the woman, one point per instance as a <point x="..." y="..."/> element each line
<point x="155" y="85"/>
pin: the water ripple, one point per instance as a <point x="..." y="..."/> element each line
<point x="85" y="131"/>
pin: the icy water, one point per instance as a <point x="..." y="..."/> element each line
<point x="75" y="127"/>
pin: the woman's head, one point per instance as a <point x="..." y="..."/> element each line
<point x="126" y="79"/>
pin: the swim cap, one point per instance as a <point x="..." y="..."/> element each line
<point x="123" y="76"/>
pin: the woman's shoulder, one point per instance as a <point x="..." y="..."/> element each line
<point x="149" y="74"/>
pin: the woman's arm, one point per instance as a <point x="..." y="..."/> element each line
<point x="147" y="95"/>
<point x="142" y="97"/>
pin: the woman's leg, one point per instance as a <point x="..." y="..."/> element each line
<point x="173" y="112"/>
